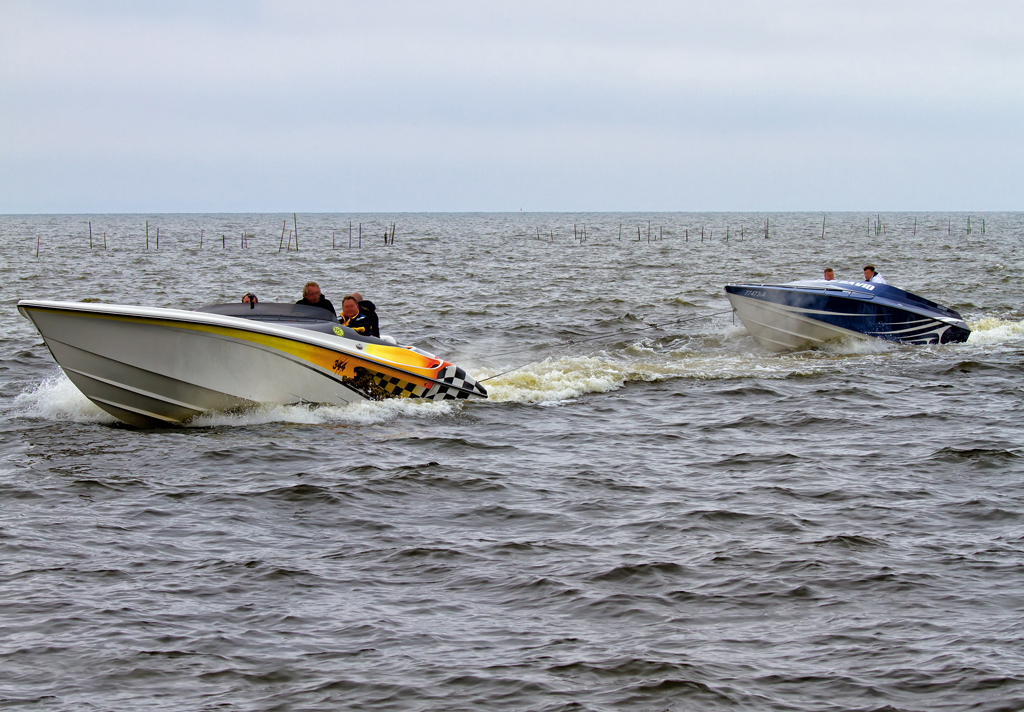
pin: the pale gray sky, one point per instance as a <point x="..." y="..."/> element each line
<point x="452" y="106"/>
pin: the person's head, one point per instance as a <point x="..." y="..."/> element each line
<point x="311" y="292"/>
<point x="869" y="272"/>
<point x="349" y="307"/>
<point x="357" y="296"/>
<point x="249" y="298"/>
<point x="829" y="273"/>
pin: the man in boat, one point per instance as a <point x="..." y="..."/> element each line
<point x="352" y="317"/>
<point x="830" y="274"/>
<point x="870" y="275"/>
<point x="312" y="297"/>
<point x="367" y="308"/>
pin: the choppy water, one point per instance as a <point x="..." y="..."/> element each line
<point x="670" y="519"/>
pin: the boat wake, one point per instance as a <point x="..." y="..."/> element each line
<point x="992" y="330"/>
<point x="58" y="399"/>
<point x="359" y="413"/>
<point x="727" y="354"/>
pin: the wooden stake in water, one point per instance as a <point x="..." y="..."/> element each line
<point x="332" y="238"/>
<point x="702" y="233"/>
<point x="284" y="224"/>
<point x="158" y="238"/>
<point x="104" y="241"/>
<point x="915" y="224"/>
<point x="822" y="227"/>
<point x="147" y="234"/>
<point x="223" y="241"/>
<point x="37" y="245"/>
<point x="290" y="242"/>
<point x="90" y="234"/>
<point x="350" y="234"/>
<point x="620" y="231"/>
<point x="295" y="222"/>
<point x="200" y="239"/>
<point x="360" y="236"/>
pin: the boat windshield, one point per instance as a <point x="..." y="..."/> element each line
<point x="272" y="311"/>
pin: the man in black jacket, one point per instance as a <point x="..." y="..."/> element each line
<point x="367" y="308"/>
<point x="312" y="297"/>
<point x="353" y="318"/>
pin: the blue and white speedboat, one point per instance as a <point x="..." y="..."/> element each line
<point x="805" y="313"/>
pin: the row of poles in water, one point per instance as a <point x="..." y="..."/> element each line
<point x="389" y="236"/>
<point x="879" y="226"/>
<point x="580" y="233"/>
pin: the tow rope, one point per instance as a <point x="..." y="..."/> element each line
<point x="606" y="336"/>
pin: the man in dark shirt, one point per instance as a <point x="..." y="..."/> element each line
<point x="312" y="297"/>
<point x="367" y="308"/>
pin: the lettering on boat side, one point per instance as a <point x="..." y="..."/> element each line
<point x="865" y="285"/>
<point x="340" y="365"/>
<point x="760" y="294"/>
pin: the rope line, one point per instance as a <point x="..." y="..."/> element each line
<point x="606" y="336"/>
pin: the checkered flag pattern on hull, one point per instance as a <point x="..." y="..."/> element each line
<point x="397" y="388"/>
<point x="455" y="384"/>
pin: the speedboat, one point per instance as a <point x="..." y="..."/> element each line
<point x="805" y="313"/>
<point x="153" y="367"/>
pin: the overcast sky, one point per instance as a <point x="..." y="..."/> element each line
<point x="488" y="106"/>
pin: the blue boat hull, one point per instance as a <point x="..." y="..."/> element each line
<point x="802" y="314"/>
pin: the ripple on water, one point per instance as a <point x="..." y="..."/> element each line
<point x="666" y="518"/>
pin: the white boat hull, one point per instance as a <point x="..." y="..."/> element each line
<point x="782" y="328"/>
<point x="154" y="367"/>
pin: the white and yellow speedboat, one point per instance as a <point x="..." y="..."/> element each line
<point x="154" y="367"/>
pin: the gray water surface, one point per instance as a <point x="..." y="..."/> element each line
<point x="664" y="518"/>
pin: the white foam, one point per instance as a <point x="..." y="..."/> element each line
<point x="560" y="379"/>
<point x="852" y="346"/>
<point x="991" y="330"/>
<point x="359" y="413"/>
<point x="557" y="380"/>
<point x="57" y="398"/>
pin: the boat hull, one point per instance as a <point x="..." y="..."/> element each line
<point x="805" y="314"/>
<point x="157" y="367"/>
